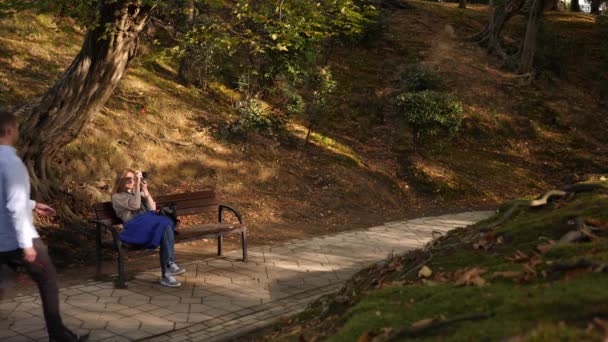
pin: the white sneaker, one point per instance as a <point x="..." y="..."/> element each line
<point x="173" y="270"/>
<point x="170" y="281"/>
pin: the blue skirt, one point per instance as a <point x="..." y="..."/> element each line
<point x="145" y="230"/>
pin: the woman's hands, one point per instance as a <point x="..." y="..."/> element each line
<point x="138" y="176"/>
<point x="144" y="187"/>
<point x="143" y="183"/>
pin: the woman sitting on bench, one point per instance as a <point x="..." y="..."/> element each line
<point x="143" y="226"/>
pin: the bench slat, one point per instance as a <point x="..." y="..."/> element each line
<point x="186" y="196"/>
<point x="188" y="204"/>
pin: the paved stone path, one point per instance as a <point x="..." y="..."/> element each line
<point x="222" y="297"/>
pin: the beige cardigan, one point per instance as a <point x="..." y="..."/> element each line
<point x="128" y="205"/>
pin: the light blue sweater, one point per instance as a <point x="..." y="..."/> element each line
<point x="16" y="218"/>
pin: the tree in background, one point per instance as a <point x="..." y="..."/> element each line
<point x="575" y="6"/>
<point x="522" y="60"/>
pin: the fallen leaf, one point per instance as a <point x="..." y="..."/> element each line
<point x="529" y="270"/>
<point x="602" y="324"/>
<point x="518" y="257"/>
<point x="441" y="277"/>
<point x="597" y="223"/>
<point x="472" y="277"/>
<point x="423" y="323"/>
<point x="425" y="272"/>
<point x="366" y="337"/>
<point x="545" y="246"/>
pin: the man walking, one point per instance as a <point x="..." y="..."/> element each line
<point x="20" y="244"/>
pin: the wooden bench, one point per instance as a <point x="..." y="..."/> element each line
<point x="184" y="204"/>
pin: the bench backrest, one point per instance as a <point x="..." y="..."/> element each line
<point x="185" y="204"/>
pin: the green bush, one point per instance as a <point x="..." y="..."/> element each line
<point x="417" y="78"/>
<point x="252" y="117"/>
<point x="431" y="114"/>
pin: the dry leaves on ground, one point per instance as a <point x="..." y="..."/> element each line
<point x="529" y="264"/>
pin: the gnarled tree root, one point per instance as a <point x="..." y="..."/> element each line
<point x="566" y="191"/>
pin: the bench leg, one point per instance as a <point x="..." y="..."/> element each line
<point x="98" y="254"/>
<point x="244" y="244"/>
<point x="121" y="269"/>
<point x="219" y="245"/>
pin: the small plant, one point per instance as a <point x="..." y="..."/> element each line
<point x="417" y="78"/>
<point x="320" y="86"/>
<point x="431" y="114"/>
<point x="252" y="117"/>
<point x="287" y="97"/>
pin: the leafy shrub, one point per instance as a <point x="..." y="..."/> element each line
<point x="252" y="117"/>
<point x="417" y="78"/>
<point x="286" y="96"/>
<point x="431" y="114"/>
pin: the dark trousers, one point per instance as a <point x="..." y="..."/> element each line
<point x="43" y="273"/>
<point x="167" y="249"/>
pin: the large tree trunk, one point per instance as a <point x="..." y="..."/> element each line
<point x="526" y="54"/>
<point x="489" y="37"/>
<point x="462" y="3"/>
<point x="56" y="118"/>
<point x="595" y="6"/>
<point x="575" y="6"/>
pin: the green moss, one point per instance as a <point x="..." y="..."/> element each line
<point x="516" y="309"/>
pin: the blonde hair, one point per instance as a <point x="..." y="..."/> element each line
<point x="121" y="180"/>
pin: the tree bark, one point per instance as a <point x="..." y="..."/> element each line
<point x="528" y="48"/>
<point x="462" y="3"/>
<point x="595" y="6"/>
<point x="489" y="37"/>
<point x="575" y="6"/>
<point x="56" y="118"/>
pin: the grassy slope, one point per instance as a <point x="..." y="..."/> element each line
<point x="544" y="306"/>
<point x="358" y="172"/>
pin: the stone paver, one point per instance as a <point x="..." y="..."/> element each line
<point x="221" y="297"/>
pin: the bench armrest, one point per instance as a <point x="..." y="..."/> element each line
<point x="115" y="233"/>
<point x="229" y="208"/>
<point x="101" y="224"/>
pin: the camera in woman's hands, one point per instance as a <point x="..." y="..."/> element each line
<point x="144" y="174"/>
